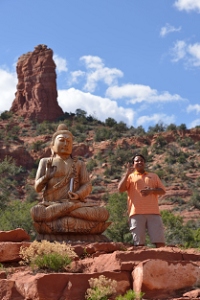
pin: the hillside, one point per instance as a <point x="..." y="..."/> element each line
<point x="173" y="153"/>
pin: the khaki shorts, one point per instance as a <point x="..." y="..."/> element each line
<point x="152" y="223"/>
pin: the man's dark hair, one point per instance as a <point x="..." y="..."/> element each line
<point x="138" y="155"/>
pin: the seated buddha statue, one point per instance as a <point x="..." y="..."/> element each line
<point x="64" y="183"/>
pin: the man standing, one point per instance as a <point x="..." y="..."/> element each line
<point x="143" y="189"/>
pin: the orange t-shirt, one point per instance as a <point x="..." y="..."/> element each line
<point x="138" y="204"/>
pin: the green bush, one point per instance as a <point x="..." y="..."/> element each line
<point x="195" y="200"/>
<point x="110" y="122"/>
<point x="118" y="231"/>
<point x="91" y="164"/>
<point x="51" y="262"/>
<point x="10" y="175"/>
<point x="47" y="256"/>
<point x="102" y="134"/>
<point x="6" y="115"/>
<point x="131" y="295"/>
<point x="101" y="288"/>
<point x="17" y="215"/>
<point x="176" y="233"/>
<point x="36" y="146"/>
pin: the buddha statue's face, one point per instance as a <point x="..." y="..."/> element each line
<point x="63" y="144"/>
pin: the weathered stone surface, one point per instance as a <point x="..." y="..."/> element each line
<point x="73" y="238"/>
<point x="18" y="152"/>
<point x="16" y="235"/>
<point x="36" y="96"/>
<point x="127" y="260"/>
<point x="161" y="279"/>
<point x="9" y="251"/>
<point x="193" y="294"/>
<point x="8" y="290"/>
<point x="63" y="286"/>
<point x="2" y="275"/>
<point x="82" y="150"/>
<point x="164" y="273"/>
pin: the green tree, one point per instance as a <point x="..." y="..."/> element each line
<point x="160" y="127"/>
<point x="182" y="127"/>
<point x="121" y="127"/>
<point x="140" y="131"/>
<point x="17" y="215"/>
<point x="176" y="233"/>
<point x="118" y="231"/>
<point x="80" y="112"/>
<point x="171" y="127"/>
<point x="10" y="175"/>
<point x="6" y="115"/>
<point x="110" y="122"/>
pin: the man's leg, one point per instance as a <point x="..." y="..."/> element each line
<point x="137" y="225"/>
<point x="156" y="230"/>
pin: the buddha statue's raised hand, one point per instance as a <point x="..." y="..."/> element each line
<point x="50" y="170"/>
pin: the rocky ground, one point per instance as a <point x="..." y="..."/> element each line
<point x="165" y="273"/>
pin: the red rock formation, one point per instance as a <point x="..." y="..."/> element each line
<point x="16" y="235"/>
<point x="163" y="273"/>
<point x="36" y="96"/>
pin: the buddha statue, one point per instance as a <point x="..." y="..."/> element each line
<point x="64" y="182"/>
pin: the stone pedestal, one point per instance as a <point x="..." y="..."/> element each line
<point x="73" y="238"/>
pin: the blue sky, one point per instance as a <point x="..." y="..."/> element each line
<point x="137" y="61"/>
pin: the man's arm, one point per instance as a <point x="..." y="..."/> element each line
<point x="156" y="191"/>
<point x="122" y="183"/>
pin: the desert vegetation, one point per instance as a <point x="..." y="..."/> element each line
<point x="173" y="152"/>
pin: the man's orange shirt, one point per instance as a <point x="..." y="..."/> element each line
<point x="138" y="204"/>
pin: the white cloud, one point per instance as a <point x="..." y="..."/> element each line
<point x="61" y="63"/>
<point x="101" y="108"/>
<point x="138" y="93"/>
<point x="194" y="123"/>
<point x="189" y="53"/>
<point x="155" y="118"/>
<point x="96" y="72"/>
<point x="195" y="107"/>
<point x="188" y="5"/>
<point x="194" y="51"/>
<point x="75" y="76"/>
<point x="168" y="29"/>
<point x="8" y="84"/>
<point x="179" y="51"/>
<point x="92" y="62"/>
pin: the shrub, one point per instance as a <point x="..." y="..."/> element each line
<point x="36" y="146"/>
<point x="185" y="142"/>
<point x="195" y="200"/>
<point x="102" y="134"/>
<point x="118" y="231"/>
<point x="52" y="261"/>
<point x="176" y="233"/>
<point x="101" y="288"/>
<point x="110" y="122"/>
<point x="130" y="295"/>
<point x="91" y="164"/>
<point x="45" y="128"/>
<point x="49" y="256"/>
<point x="171" y="127"/>
<point x="6" y="115"/>
<point x="98" y="189"/>
<point x="17" y="215"/>
<point x="10" y="175"/>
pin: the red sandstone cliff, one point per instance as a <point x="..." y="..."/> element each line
<point x="36" y="95"/>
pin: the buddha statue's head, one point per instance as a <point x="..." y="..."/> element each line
<point x="62" y="141"/>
